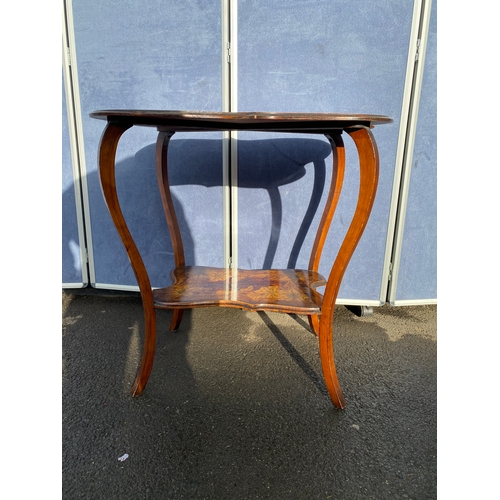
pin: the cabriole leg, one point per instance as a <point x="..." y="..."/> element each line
<point x="168" y="207"/>
<point x="107" y="155"/>
<point x="337" y="178"/>
<point x="369" y="168"/>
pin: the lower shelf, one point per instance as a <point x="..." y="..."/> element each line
<point x="283" y="290"/>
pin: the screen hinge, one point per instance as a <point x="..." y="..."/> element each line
<point x="389" y="277"/>
<point x="417" y="53"/>
<point x="228" y="48"/>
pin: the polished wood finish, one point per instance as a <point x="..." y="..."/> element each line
<point x="107" y="154"/>
<point x="369" y="169"/>
<point x="197" y="121"/>
<point x="168" y="207"/>
<point x="336" y="182"/>
<point x="283" y="290"/>
<point x="166" y="197"/>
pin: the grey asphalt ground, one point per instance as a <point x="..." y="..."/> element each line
<point x="236" y="406"/>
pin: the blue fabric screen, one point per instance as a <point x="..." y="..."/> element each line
<point x="324" y="56"/>
<point x="417" y="277"/>
<point x="152" y="55"/>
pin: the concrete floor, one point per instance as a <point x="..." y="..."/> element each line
<point x="236" y="406"/>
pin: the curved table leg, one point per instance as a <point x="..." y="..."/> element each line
<point x="369" y="168"/>
<point x="176" y="319"/>
<point x="331" y="204"/>
<point x="107" y="155"/>
<point x="169" y="209"/>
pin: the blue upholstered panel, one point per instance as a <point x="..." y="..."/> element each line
<point x="418" y="266"/>
<point x="324" y="56"/>
<point x="152" y="55"/>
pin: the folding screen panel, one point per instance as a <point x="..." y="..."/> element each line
<point x="74" y="270"/>
<point x="151" y="55"/>
<point x="317" y="56"/>
<point x="415" y="260"/>
<point x="324" y="56"/>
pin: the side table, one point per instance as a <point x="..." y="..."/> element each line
<point x="282" y="290"/>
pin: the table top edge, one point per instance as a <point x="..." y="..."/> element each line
<point x="158" y="117"/>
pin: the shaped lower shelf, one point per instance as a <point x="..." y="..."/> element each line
<point x="283" y="290"/>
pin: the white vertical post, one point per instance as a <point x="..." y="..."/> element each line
<point x="230" y="151"/>
<point x="226" y="137"/>
<point x="407" y="129"/>
<point x="77" y="152"/>
<point x="419" y="60"/>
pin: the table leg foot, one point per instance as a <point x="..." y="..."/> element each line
<point x="148" y="352"/>
<point x="176" y="319"/>
<point x="328" y="364"/>
<point x="369" y="167"/>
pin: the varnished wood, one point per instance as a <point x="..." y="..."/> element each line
<point x="166" y="197"/>
<point x="336" y="182"/>
<point x="176" y="319"/>
<point x="282" y="290"/>
<point x="368" y="166"/>
<point x="289" y="290"/>
<point x="107" y="155"/>
<point x="168" y="207"/>
<point x="258" y="121"/>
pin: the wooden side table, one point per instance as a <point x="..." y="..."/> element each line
<point x="282" y="290"/>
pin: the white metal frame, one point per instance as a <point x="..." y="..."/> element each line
<point x="76" y="146"/>
<point x="404" y="159"/>
<point x="400" y="153"/>
<point x="230" y="139"/>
